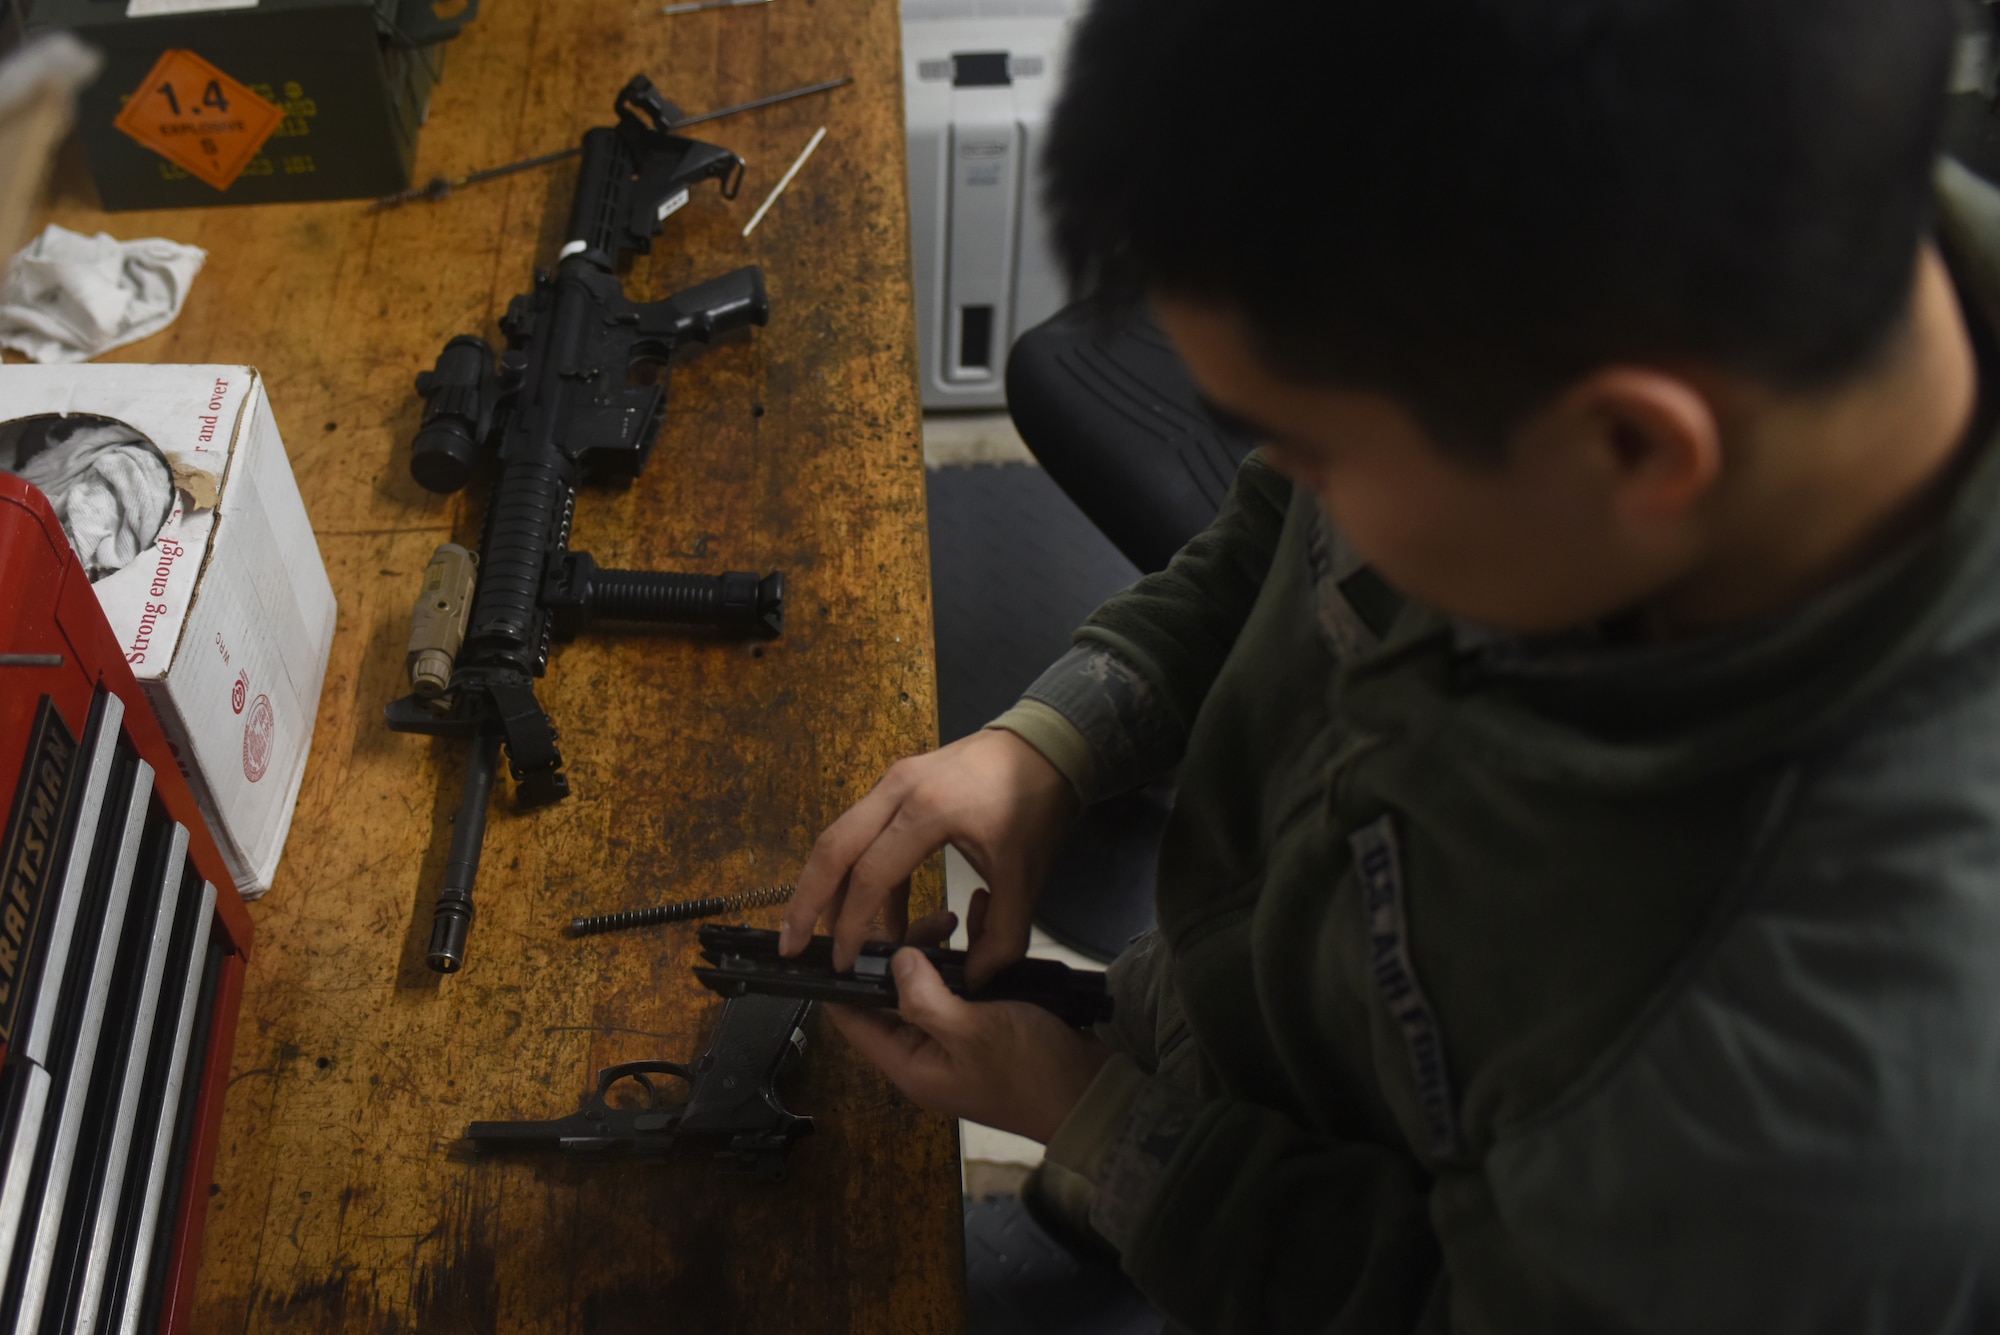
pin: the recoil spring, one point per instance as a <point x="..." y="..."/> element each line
<point x="709" y="906"/>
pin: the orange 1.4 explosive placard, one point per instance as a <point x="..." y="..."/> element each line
<point x="194" y="115"/>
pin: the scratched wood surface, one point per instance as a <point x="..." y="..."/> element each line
<point x="697" y="767"/>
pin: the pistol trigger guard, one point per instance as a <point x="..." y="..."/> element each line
<point x="637" y="1071"/>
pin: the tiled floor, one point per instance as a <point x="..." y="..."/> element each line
<point x="959" y="439"/>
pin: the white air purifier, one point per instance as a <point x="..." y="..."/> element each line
<point x="979" y="79"/>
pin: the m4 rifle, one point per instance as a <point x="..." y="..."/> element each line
<point x="559" y="408"/>
<point x="731" y="1113"/>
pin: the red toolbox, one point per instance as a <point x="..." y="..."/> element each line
<point x="122" y="949"/>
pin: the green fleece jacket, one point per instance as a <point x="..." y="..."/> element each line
<point x="1559" y="988"/>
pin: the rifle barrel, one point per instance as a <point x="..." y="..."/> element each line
<point x="452" y="920"/>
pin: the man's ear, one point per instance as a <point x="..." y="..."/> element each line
<point x="1651" y="438"/>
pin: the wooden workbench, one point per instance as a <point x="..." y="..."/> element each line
<point x="697" y="766"/>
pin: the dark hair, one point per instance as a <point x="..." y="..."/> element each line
<point x="1467" y="204"/>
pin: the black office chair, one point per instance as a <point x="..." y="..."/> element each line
<point x="1112" y="416"/>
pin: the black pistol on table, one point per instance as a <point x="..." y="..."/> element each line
<point x="732" y="1112"/>
<point x="744" y="962"/>
<point x="561" y="406"/>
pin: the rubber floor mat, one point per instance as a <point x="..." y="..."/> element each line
<point x="1015" y="569"/>
<point x="1021" y="1281"/>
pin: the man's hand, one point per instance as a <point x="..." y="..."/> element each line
<point x="1005" y="1064"/>
<point x="990" y="795"/>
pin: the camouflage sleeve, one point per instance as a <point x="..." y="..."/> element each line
<point x="1120" y="1136"/>
<point x="1099" y="721"/>
<point x="1114" y="712"/>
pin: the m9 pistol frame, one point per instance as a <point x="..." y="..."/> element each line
<point x="732" y="1112"/>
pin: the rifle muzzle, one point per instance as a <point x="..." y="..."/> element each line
<point x="449" y="929"/>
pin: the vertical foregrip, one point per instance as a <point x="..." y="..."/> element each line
<point x="524" y="532"/>
<point x="737" y="600"/>
<point x="451" y="922"/>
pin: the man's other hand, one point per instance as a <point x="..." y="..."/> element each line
<point x="991" y="795"/>
<point x="1004" y="1064"/>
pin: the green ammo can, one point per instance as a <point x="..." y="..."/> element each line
<point x="352" y="78"/>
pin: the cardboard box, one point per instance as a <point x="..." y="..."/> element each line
<point x="227" y="618"/>
<point x="352" y="77"/>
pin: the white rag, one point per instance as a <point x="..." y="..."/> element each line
<point x="111" y="488"/>
<point x="68" y="297"/>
